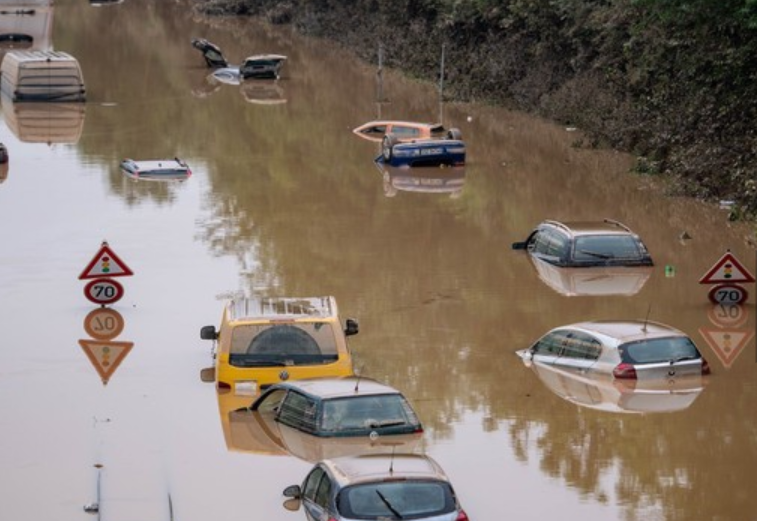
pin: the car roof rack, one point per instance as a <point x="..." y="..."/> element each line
<point x="618" y="224"/>
<point x="558" y="224"/>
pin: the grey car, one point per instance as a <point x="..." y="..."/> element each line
<point x="630" y="349"/>
<point x="376" y="487"/>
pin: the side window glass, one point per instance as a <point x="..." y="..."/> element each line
<point x="271" y="403"/>
<point x="323" y="492"/>
<point x="298" y="411"/>
<point x="582" y="346"/>
<point x="541" y="242"/>
<point x="551" y="344"/>
<point x="558" y="245"/>
<point x="311" y="483"/>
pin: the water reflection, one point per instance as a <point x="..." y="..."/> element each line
<point x="429" y="180"/>
<point x="592" y="281"/>
<point x="105" y="354"/>
<point x="257" y="432"/>
<point x="35" y="122"/>
<point x="730" y="334"/>
<point x="621" y="396"/>
<point x="26" y="25"/>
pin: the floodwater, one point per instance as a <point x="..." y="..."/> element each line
<point x="285" y="200"/>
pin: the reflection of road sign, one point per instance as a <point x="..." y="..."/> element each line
<point x="726" y="270"/>
<point x="104" y="323"/>
<point x="727" y="345"/>
<point x="103" y="291"/>
<point x="728" y="294"/>
<point x="727" y="316"/>
<point x="105" y="264"/>
<point x="105" y="356"/>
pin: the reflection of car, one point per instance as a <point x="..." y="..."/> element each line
<point x="427" y="180"/>
<point x="250" y="431"/>
<point x="376" y="487"/>
<point x="623" y="396"/>
<point x="337" y="407"/>
<point x="49" y="122"/>
<point x="625" y="349"/>
<point x="402" y="130"/>
<point x="578" y="244"/>
<point x="262" y="341"/>
<point x="157" y="170"/>
<point x="592" y="280"/>
<point x="3" y="153"/>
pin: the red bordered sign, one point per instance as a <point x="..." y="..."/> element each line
<point x="727" y="270"/>
<point x="103" y="291"/>
<point x="105" y="263"/>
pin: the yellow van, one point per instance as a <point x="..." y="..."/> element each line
<point x="262" y="341"/>
<point x="41" y="76"/>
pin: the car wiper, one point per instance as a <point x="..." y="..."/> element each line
<point x="597" y="254"/>
<point x="386" y="423"/>
<point x="389" y="505"/>
<point x="683" y="359"/>
<point x="267" y="363"/>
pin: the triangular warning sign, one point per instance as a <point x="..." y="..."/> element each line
<point x="106" y="356"/>
<point x="727" y="269"/>
<point x="726" y="344"/>
<point x="105" y="263"/>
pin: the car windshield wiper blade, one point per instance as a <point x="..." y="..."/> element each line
<point x="267" y="363"/>
<point x="388" y="504"/>
<point x="387" y="423"/>
<point x="597" y="254"/>
<point x="683" y="359"/>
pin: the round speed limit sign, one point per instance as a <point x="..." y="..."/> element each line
<point x="103" y="291"/>
<point x="728" y="294"/>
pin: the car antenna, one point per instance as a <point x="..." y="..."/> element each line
<point x="357" y="381"/>
<point x="391" y="461"/>
<point x="646" y="319"/>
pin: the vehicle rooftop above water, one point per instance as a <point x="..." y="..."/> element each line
<point x="283" y="308"/>
<point x="327" y="388"/>
<point x="376" y="467"/>
<point x="629" y="330"/>
<point x="591" y="227"/>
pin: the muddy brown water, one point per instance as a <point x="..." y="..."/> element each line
<point x="285" y="200"/>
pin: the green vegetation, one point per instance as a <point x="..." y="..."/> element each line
<point x="672" y="81"/>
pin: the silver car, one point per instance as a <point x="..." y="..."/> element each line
<point x="376" y="487"/>
<point x="625" y="349"/>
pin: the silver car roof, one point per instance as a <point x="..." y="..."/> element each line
<point x="351" y="470"/>
<point x="327" y="388"/>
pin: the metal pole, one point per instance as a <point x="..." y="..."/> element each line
<point x="441" y="86"/>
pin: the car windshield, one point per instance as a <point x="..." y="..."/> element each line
<point x="368" y="413"/>
<point x="607" y="247"/>
<point x="659" y="350"/>
<point x="400" y="499"/>
<point x="306" y="343"/>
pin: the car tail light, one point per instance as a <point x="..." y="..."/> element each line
<point x="705" y="366"/>
<point x="224" y="385"/>
<point x="462" y="516"/>
<point x="624" y="370"/>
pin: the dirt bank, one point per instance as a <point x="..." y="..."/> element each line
<point x="672" y="88"/>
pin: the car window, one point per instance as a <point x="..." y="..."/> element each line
<point x="375" y="130"/>
<point x="367" y="413"/>
<point x="551" y="343"/>
<point x="399" y="499"/>
<point x="323" y="492"/>
<point x="581" y="345"/>
<point x="283" y="344"/>
<point x="271" y="401"/>
<point x="659" y="350"/>
<point x="551" y="243"/>
<point x="405" y="132"/>
<point x="311" y="483"/>
<point x="594" y="247"/>
<point x="298" y="411"/>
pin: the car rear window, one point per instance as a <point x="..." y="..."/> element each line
<point x="659" y="350"/>
<point x="607" y="247"/>
<point x="368" y="413"/>
<point x="401" y="499"/>
<point x="254" y="345"/>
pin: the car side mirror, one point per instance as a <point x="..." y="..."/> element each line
<point x="208" y="333"/>
<point x="520" y="245"/>
<point x="208" y="375"/>
<point x="352" y="327"/>
<point x="293" y="491"/>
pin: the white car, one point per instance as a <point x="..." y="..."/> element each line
<point x="625" y="349"/>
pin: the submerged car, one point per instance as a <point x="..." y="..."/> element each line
<point x="631" y="349"/>
<point x="402" y="130"/>
<point x="376" y="487"/>
<point x="262" y="341"/>
<point x="603" y="393"/>
<point x="407" y="143"/>
<point x="262" y="66"/>
<point x="212" y="54"/>
<point x="339" y="407"/>
<point x="156" y="170"/>
<point x="586" y="244"/>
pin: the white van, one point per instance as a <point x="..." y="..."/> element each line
<point x="41" y="76"/>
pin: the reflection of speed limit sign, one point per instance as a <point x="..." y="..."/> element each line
<point x="104" y="323"/>
<point x="728" y="294"/>
<point x="103" y="291"/>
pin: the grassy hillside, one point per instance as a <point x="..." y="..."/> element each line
<point x="672" y="81"/>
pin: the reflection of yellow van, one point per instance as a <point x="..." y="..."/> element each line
<point x="262" y="341"/>
<point x="42" y="76"/>
<point x="44" y="122"/>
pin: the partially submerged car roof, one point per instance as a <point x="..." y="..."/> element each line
<point x="327" y="388"/>
<point x="592" y="227"/>
<point x="352" y="470"/>
<point x="282" y="308"/>
<point x="629" y="330"/>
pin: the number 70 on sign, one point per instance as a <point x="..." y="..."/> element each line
<point x="103" y="291"/>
